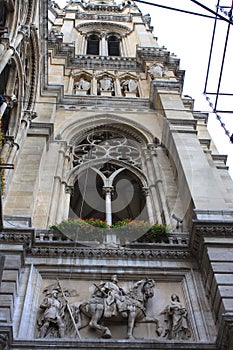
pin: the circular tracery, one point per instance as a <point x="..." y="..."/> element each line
<point x="106" y="145"/>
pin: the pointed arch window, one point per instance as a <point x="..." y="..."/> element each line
<point x="93" y="44"/>
<point x="111" y="190"/>
<point x="113" y="46"/>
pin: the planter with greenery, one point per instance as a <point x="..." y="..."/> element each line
<point x="125" y="230"/>
<point x="82" y="230"/>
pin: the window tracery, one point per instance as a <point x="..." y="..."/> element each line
<point x="107" y="144"/>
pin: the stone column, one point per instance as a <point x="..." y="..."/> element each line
<point x="62" y="195"/>
<point x="104" y="45"/>
<point x="146" y="193"/>
<point x="122" y="49"/>
<point x="159" y="182"/>
<point x="23" y="31"/>
<point x="94" y="85"/>
<point x="123" y="46"/>
<point x="152" y="186"/>
<point x="66" y="208"/>
<point x="117" y="86"/>
<point x="140" y="90"/>
<point x="126" y="46"/>
<point x="6" y="148"/>
<point x="56" y="188"/>
<point x="108" y="203"/>
<point x="71" y="83"/>
<point x="83" y="45"/>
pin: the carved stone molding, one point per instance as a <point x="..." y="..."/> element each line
<point x="107" y="253"/>
<point x="103" y="17"/>
<point x="203" y="229"/>
<point x="5" y="337"/>
<point x="167" y="85"/>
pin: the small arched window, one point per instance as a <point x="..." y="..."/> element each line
<point x="93" y="45"/>
<point x="113" y="46"/>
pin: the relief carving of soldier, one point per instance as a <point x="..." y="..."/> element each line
<point x="55" y="319"/>
<point x="53" y="314"/>
<point x="176" y="319"/>
<point x="113" y="297"/>
<point x="110" y="301"/>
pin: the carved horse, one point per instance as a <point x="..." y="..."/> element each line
<point x="135" y="310"/>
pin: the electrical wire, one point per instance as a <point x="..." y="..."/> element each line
<point x="174" y="9"/>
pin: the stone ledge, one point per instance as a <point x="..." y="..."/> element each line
<point x="110" y="344"/>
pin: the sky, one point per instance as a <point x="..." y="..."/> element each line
<point x="189" y="37"/>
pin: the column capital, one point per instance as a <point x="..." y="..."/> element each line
<point x="69" y="189"/>
<point x="146" y="191"/>
<point x="25" y="30"/>
<point x="108" y="189"/>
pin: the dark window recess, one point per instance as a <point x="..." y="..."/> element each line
<point x="113" y="46"/>
<point x="5" y="120"/>
<point x="2" y="14"/>
<point x="3" y="80"/>
<point x="93" y="45"/>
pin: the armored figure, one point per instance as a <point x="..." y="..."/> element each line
<point x="112" y="296"/>
<point x="52" y="315"/>
<point x="109" y="301"/>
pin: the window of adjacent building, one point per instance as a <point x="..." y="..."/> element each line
<point x="93" y="45"/>
<point x="113" y="46"/>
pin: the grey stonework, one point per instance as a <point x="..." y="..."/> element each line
<point x="76" y="112"/>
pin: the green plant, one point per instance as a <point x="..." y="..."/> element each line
<point x="156" y="234"/>
<point x="127" y="229"/>
<point x="81" y="230"/>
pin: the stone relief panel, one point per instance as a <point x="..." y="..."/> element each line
<point x="141" y="309"/>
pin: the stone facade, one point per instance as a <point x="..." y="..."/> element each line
<point x="95" y="125"/>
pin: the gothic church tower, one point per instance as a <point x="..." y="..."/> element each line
<point x="95" y="125"/>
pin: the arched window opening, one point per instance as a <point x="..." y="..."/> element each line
<point x="93" y="45"/>
<point x="3" y="13"/>
<point x="113" y="46"/>
<point x="8" y="97"/>
<point x="109" y="185"/>
<point x="4" y="79"/>
<point x="97" y="196"/>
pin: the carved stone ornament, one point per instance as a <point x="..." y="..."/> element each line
<point x="156" y="71"/>
<point x="112" y="303"/>
<point x="106" y="84"/>
<point x="54" y="313"/>
<point x="176" y="320"/>
<point x="129" y="85"/>
<point x="62" y="315"/>
<point x="82" y="85"/>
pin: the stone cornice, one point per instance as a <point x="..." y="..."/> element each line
<point x="134" y="254"/>
<point x="46" y="243"/>
<point x="101" y="16"/>
<point x="109" y="26"/>
<point x="103" y="62"/>
<point x="202" y="229"/>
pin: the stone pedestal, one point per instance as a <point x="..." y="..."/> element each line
<point x="130" y="94"/>
<point x="106" y="93"/>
